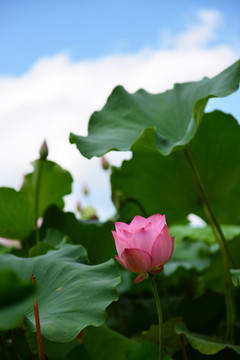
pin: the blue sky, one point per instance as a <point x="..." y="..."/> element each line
<point x="91" y="29"/>
<point x="61" y="59"/>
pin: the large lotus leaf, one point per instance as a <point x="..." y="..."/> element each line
<point x="20" y="209"/>
<point x="96" y="237"/>
<point x="204" y="344"/>
<point x="15" y="295"/>
<point x="159" y="184"/>
<point x="16" y="214"/>
<point x="166" y="184"/>
<point x="147" y="122"/>
<point x="46" y="185"/>
<point x="71" y="294"/>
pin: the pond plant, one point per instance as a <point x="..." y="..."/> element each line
<point x="63" y="295"/>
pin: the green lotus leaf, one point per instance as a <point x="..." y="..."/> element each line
<point x="15" y="295"/>
<point x="204" y="233"/>
<point x="204" y="344"/>
<point x="71" y="294"/>
<point x="16" y="214"/>
<point x="155" y="123"/>
<point x="19" y="210"/>
<point x="95" y="236"/>
<point x="188" y="255"/>
<point x="47" y="185"/>
<point x="167" y="184"/>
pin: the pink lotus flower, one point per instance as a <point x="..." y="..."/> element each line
<point x="143" y="246"/>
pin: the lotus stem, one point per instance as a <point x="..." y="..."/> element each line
<point x="159" y="311"/>
<point x="218" y="233"/>
<point x="38" y="328"/>
<point x="183" y="347"/>
<point x="38" y="178"/>
<point x="214" y="223"/>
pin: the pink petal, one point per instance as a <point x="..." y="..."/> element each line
<point x="136" y="260"/>
<point x="120" y="261"/>
<point x="120" y="243"/>
<point x="158" y="221"/>
<point x="137" y="223"/>
<point x="162" y="248"/>
<point x="125" y="235"/>
<point x="140" y="278"/>
<point x="120" y="225"/>
<point x="144" y="238"/>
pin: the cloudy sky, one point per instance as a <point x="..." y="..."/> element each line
<point x="61" y="59"/>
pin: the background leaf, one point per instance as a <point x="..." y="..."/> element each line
<point x="205" y="233"/>
<point x="20" y="209"/>
<point x="105" y="344"/>
<point x="166" y="184"/>
<point x="16" y="214"/>
<point x="204" y="344"/>
<point x="213" y="278"/>
<point x="188" y="255"/>
<point x="50" y="182"/>
<point x="52" y="241"/>
<point x="15" y="295"/>
<point x="235" y="276"/>
<point x="95" y="236"/>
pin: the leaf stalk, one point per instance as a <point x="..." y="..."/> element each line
<point x="225" y="251"/>
<point x="38" y="178"/>
<point x="38" y="328"/>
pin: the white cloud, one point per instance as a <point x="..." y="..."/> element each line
<point x="198" y="35"/>
<point x="57" y="96"/>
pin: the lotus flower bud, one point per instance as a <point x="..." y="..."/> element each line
<point x="43" y="150"/>
<point x="105" y="163"/>
<point x="85" y="190"/>
<point x="79" y="207"/>
<point x="143" y="246"/>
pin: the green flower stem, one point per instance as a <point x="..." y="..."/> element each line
<point x="183" y="347"/>
<point x="229" y="296"/>
<point x="159" y="311"/>
<point x="37" y="323"/>
<point x="221" y="238"/>
<point x="38" y="178"/>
